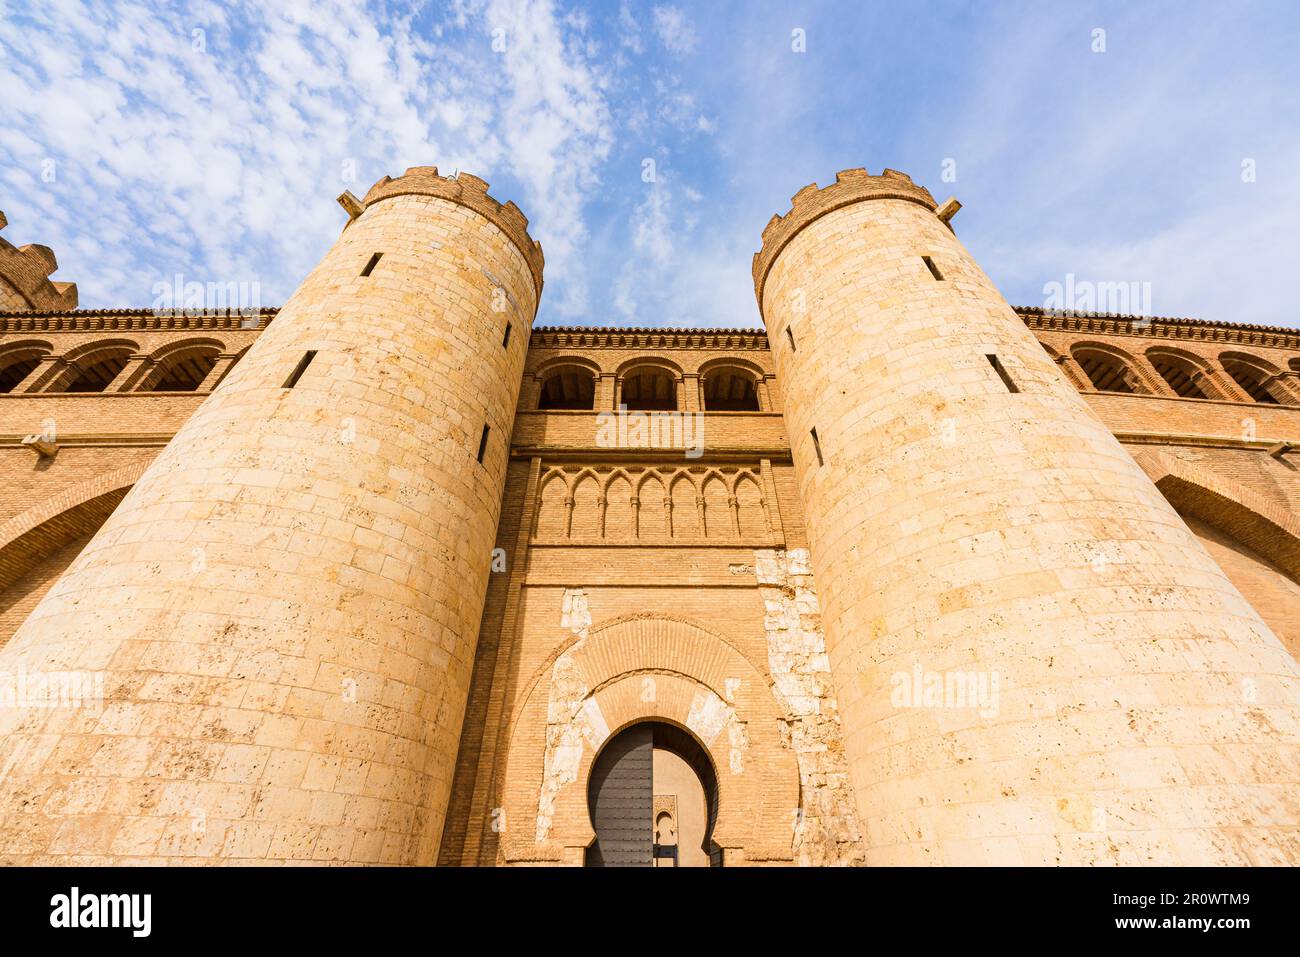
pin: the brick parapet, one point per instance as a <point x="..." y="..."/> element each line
<point x="25" y="277"/>
<point x="472" y="193"/>
<point x="813" y="202"/>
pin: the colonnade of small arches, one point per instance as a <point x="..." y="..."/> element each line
<point x="1168" y="371"/>
<point x="649" y="384"/>
<point x="192" y="364"/>
<point x="197" y="364"/>
<point x="652" y="504"/>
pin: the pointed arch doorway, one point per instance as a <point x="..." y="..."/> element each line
<point x="653" y="799"/>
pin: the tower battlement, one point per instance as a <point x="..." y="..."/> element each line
<point x="812" y="202"/>
<point x="908" y="576"/>
<point x="26" y="271"/>
<point x="472" y="193"/>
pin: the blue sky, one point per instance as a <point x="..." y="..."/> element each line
<point x="144" y="140"/>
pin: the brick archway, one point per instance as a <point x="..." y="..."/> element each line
<point x="641" y="668"/>
<point x="1262" y="526"/>
<point x="38" y="544"/>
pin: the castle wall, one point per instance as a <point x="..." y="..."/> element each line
<point x="583" y="603"/>
<point x="1270" y="591"/>
<point x="974" y="517"/>
<point x="718" y="577"/>
<point x="518" y="796"/>
<point x="284" y="607"/>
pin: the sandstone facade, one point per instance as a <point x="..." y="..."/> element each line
<point x="325" y="631"/>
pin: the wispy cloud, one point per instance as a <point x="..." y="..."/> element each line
<point x="141" y="140"/>
<point x="675" y="30"/>
<point x="145" y="138"/>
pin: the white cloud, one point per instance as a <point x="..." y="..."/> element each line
<point x="675" y="31"/>
<point x="1125" y="166"/>
<point x="628" y="29"/>
<point x="557" y="131"/>
<point x="222" y="162"/>
<point x="683" y="271"/>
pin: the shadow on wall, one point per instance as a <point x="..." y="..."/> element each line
<point x="1273" y="594"/>
<point x="32" y="561"/>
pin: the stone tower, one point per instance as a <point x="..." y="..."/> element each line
<point x="284" y="608"/>
<point x="974" y="527"/>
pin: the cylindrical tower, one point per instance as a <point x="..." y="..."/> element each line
<point x="283" y="611"/>
<point x="1035" y="659"/>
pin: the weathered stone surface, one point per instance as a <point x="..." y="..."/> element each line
<point x="1026" y="654"/>
<point x="827" y="830"/>
<point x="286" y="604"/>
<point x="1036" y="661"/>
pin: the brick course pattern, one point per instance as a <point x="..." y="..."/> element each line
<point x="969" y="515"/>
<point x="25" y="278"/>
<point x="290" y="612"/>
<point x="285" y="606"/>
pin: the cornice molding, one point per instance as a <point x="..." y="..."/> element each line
<point x="612" y="337"/>
<point x="641" y="337"/>
<point x="132" y="320"/>
<point x="99" y="439"/>
<point x="1159" y="327"/>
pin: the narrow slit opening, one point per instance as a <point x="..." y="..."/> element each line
<point x="299" y="369"/>
<point x="817" y="447"/>
<point x="482" y="443"/>
<point x="996" y="363"/>
<point x="790" y="335"/>
<point x="505" y="339"/>
<point x="934" y="270"/>
<point x="370" y="266"/>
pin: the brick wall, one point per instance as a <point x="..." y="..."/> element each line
<point x="705" y="577"/>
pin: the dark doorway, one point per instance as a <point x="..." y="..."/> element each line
<point x="652" y="795"/>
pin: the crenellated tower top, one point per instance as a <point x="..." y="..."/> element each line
<point x="813" y="202"/>
<point x="26" y="270"/>
<point x="464" y="190"/>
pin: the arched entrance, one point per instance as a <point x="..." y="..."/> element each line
<point x="653" y="799"/>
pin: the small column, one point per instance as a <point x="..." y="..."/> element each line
<point x="1073" y="372"/>
<point x="215" y="374"/>
<point x="1218" y="384"/>
<point x="771" y="505"/>
<point x="45" y="372"/>
<point x="131" y="375"/>
<point x="604" y="400"/>
<point x="1287" y="383"/>
<point x="530" y="397"/>
<point x="690" y="388"/>
<point x="1152" y="379"/>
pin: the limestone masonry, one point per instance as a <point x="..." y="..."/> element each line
<point x="388" y="575"/>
